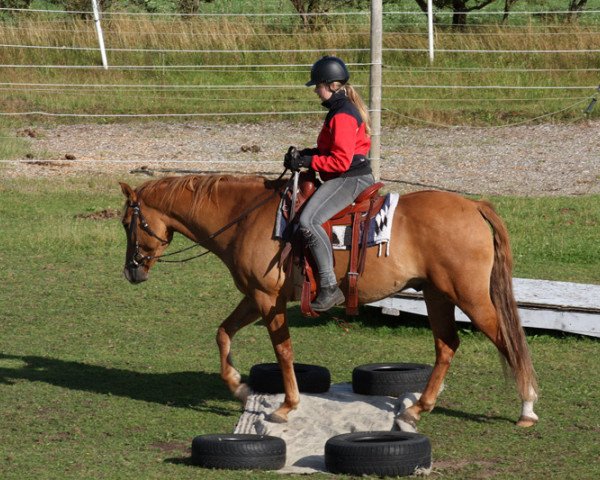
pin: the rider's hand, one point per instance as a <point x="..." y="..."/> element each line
<point x="295" y="161"/>
<point x="306" y="152"/>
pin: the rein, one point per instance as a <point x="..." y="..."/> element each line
<point x="138" y="259"/>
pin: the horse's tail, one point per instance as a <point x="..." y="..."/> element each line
<point x="501" y="291"/>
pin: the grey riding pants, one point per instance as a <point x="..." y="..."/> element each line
<point x="330" y="198"/>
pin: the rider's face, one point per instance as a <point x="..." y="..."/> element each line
<point x="323" y="91"/>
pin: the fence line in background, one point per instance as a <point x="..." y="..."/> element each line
<point x="281" y="113"/>
<point x="166" y="50"/>
<point x="309" y="34"/>
<point x="296" y="14"/>
<point x="243" y="68"/>
<point x="301" y="69"/>
<point x="143" y="95"/>
<point x="298" y="87"/>
<point x="311" y="50"/>
<point x="159" y="115"/>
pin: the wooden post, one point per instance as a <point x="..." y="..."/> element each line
<point x="375" y="85"/>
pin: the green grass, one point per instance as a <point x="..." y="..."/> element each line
<point x="102" y="379"/>
<point x="554" y="238"/>
<point x="11" y="146"/>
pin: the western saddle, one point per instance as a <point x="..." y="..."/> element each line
<point x="357" y="215"/>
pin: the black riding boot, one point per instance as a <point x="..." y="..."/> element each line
<point x="328" y="297"/>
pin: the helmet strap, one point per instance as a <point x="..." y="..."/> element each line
<point x="342" y="87"/>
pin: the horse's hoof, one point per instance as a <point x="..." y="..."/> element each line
<point x="406" y="422"/>
<point x="242" y="393"/>
<point x="276" y="418"/>
<point x="526" y="422"/>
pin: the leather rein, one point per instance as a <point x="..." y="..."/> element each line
<point x="137" y="217"/>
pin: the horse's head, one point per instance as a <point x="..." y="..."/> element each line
<point x="147" y="236"/>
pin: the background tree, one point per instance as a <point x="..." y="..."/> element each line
<point x="508" y="4"/>
<point x="8" y="14"/>
<point x="308" y="8"/>
<point x="84" y="6"/>
<point x="191" y="6"/>
<point x="461" y="8"/>
<point x="16" y="3"/>
<point x="577" y="5"/>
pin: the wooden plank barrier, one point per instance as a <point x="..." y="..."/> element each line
<point x="564" y="306"/>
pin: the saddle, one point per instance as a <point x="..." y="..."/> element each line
<point x="357" y="215"/>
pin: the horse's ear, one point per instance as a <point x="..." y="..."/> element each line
<point x="128" y="192"/>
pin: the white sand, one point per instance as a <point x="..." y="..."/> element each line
<point x="318" y="418"/>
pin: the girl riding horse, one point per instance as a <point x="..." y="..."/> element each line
<point x="341" y="161"/>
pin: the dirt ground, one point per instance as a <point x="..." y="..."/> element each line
<point x="540" y="160"/>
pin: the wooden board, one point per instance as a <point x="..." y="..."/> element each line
<point x="563" y="306"/>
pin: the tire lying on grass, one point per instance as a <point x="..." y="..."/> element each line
<point x="378" y="453"/>
<point x="238" y="451"/>
<point x="267" y="378"/>
<point x="390" y="379"/>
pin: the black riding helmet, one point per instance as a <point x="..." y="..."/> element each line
<point x="328" y="69"/>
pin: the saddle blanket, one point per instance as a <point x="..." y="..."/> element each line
<point x="380" y="230"/>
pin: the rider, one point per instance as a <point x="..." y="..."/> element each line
<point x="341" y="160"/>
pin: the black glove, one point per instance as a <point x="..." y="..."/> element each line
<point x="305" y="152"/>
<point x="295" y="161"/>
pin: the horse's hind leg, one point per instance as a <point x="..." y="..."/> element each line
<point x="440" y="311"/>
<point x="245" y="313"/>
<point x="485" y="317"/>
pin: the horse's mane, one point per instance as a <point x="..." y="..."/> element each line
<point x="164" y="192"/>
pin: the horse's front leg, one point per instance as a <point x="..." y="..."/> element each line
<point x="273" y="310"/>
<point x="245" y="313"/>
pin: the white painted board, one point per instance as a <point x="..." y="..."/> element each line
<point x="563" y="306"/>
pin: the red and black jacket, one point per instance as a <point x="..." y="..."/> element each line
<point x="343" y="144"/>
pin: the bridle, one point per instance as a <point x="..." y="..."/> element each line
<point x="138" y="260"/>
<point x="137" y="217"/>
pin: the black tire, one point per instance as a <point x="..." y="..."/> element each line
<point x="239" y="452"/>
<point x="267" y="378"/>
<point x="390" y="379"/>
<point x="377" y="453"/>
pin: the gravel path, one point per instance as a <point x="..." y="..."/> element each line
<point x="536" y="160"/>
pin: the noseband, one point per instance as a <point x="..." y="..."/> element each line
<point x="137" y="259"/>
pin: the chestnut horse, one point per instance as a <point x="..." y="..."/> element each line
<point x="441" y="244"/>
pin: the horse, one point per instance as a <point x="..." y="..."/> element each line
<point x="454" y="249"/>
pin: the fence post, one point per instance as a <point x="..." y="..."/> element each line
<point x="375" y="85"/>
<point x="99" y="32"/>
<point x="430" y="28"/>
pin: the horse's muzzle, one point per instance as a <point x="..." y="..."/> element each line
<point x="135" y="274"/>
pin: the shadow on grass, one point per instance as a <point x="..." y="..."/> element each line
<point x="368" y="317"/>
<point x="177" y="389"/>
<point x="185" y="461"/>
<point x="471" y="417"/>
<point x="373" y="318"/>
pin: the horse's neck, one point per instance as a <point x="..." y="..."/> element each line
<point x="212" y="222"/>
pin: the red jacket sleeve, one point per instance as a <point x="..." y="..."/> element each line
<point x="343" y="129"/>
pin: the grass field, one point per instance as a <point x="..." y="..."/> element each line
<point x="101" y="379"/>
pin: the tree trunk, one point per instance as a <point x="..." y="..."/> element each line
<point x="575" y="7"/>
<point x="459" y="18"/>
<point x="508" y="4"/>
